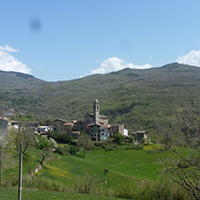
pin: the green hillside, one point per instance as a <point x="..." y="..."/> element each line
<point x="127" y="169"/>
<point x="141" y="99"/>
<point x="124" y="166"/>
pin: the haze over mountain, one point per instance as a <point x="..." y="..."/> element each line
<point x="141" y="99"/>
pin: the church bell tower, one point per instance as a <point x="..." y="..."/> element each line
<point x="96" y="111"/>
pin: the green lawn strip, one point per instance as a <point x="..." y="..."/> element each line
<point x="12" y="194"/>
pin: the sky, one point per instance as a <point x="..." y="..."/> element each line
<point x="69" y="39"/>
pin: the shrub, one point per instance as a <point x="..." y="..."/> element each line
<point x="63" y="150"/>
<point x="161" y="189"/>
<point x="109" y="146"/>
<point x="154" y="148"/>
<point x="42" y="142"/>
<point x="124" y="191"/>
<point x="84" y="184"/>
<point x="53" y="143"/>
<point x="73" y="150"/>
<point x="119" y="138"/>
<point x="61" y="137"/>
<point x="38" y="182"/>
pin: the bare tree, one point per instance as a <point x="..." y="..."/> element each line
<point x="26" y="136"/>
<point x="45" y="154"/>
<point x="84" y="184"/>
<point x="190" y="125"/>
<point x="185" y="171"/>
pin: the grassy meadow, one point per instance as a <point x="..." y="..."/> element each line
<point x="125" y="166"/>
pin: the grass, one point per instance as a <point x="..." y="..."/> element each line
<point x="30" y="161"/>
<point x="12" y="194"/>
<point x="125" y="166"/>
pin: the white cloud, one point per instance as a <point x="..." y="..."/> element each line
<point x="192" y="58"/>
<point x="115" y="64"/>
<point x="9" y="62"/>
<point x="8" y="49"/>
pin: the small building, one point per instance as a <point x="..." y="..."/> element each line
<point x="75" y="134"/>
<point x="42" y="129"/>
<point x="141" y="135"/>
<point x="58" y="125"/>
<point x="98" y="132"/>
<point x="94" y="132"/>
<point x="116" y="128"/>
<point x="80" y="126"/>
<point x="49" y="122"/>
<point x="32" y="126"/>
<point x="69" y="127"/>
<point x="3" y="127"/>
<point x="126" y="132"/>
<point x="14" y="125"/>
<point x="104" y="133"/>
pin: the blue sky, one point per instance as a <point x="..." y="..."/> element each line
<point x="68" y="39"/>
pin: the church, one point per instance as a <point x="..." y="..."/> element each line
<point x="95" y="117"/>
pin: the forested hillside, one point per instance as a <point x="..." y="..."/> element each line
<point x="141" y="99"/>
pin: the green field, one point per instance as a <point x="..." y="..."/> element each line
<point x="126" y="167"/>
<point x="123" y="165"/>
<point x="12" y="194"/>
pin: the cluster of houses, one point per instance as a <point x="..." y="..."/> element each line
<point x="94" y="124"/>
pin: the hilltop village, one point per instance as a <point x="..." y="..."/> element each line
<point x="94" y="124"/>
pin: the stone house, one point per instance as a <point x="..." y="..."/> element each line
<point x="98" y="132"/>
<point x="69" y="127"/>
<point x="141" y="135"/>
<point x="94" y="132"/>
<point x="32" y="126"/>
<point x="75" y="134"/>
<point x="80" y="126"/>
<point x="104" y="132"/>
<point x="116" y="128"/>
<point x="58" y="125"/>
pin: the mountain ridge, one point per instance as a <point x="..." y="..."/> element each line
<point x="141" y="99"/>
